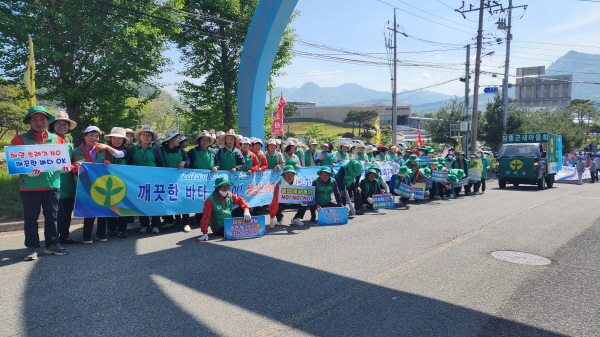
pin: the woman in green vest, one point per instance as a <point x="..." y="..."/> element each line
<point x="394" y="152"/>
<point x="175" y="157"/>
<point x="370" y="185"/>
<point x="61" y="127"/>
<point x="325" y="185"/>
<point x="117" y="226"/>
<point x="360" y="154"/>
<point x="230" y="157"/>
<point x="473" y="166"/>
<point x="485" y="164"/>
<point x="343" y="154"/>
<point x="327" y="157"/>
<point x="311" y="156"/>
<point x="383" y="154"/>
<point x="219" y="206"/>
<point x="144" y="153"/>
<point x="290" y="157"/>
<point x="203" y="156"/>
<point x="369" y="151"/>
<point x="90" y="151"/>
<point x="275" y="160"/>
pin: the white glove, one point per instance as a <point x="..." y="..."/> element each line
<point x="247" y="216"/>
<point x="273" y="222"/>
<point x="65" y="169"/>
<point x="202" y="238"/>
<point x="370" y="200"/>
<point x="34" y="173"/>
<point x="397" y="191"/>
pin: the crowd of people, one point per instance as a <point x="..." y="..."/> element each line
<point x="338" y="182"/>
<point x="581" y="161"/>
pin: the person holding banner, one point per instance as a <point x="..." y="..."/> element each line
<point x="175" y="157"/>
<point x="461" y="163"/>
<point x="325" y="185"/>
<point x="263" y="164"/>
<point x="290" y="157"/>
<point x="383" y="183"/>
<point x="61" y="127"/>
<point x="347" y="179"/>
<point x="474" y="173"/>
<point x="342" y="154"/>
<point x="383" y="154"/>
<point x="368" y="186"/>
<point x="369" y="151"/>
<point x="219" y="206"/>
<point x="327" y="157"/>
<point x="275" y="160"/>
<point x="40" y="190"/>
<point x="401" y="177"/>
<point x="117" y="140"/>
<point x="91" y="151"/>
<point x="250" y="159"/>
<point x="311" y="156"/>
<point x="450" y="159"/>
<point x="485" y="164"/>
<point x="203" y="156"/>
<point x="275" y="209"/>
<point x="394" y="152"/>
<point x="146" y="154"/>
<point x="229" y="157"/>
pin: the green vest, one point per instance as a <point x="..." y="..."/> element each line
<point x="227" y="160"/>
<point x="472" y="166"/>
<point x="119" y="161"/>
<point x="362" y="156"/>
<point x="324" y="190"/>
<point x="393" y="156"/>
<point x="271" y="160"/>
<point x="67" y="180"/>
<point x="144" y="157"/>
<point x="381" y="157"/>
<point x="328" y="161"/>
<point x="172" y="159"/>
<point x="221" y="210"/>
<point x="248" y="161"/>
<point x="343" y="155"/>
<point x="204" y="159"/>
<point x="308" y="156"/>
<point x="370" y="156"/>
<point x="45" y="179"/>
<point x="293" y="160"/>
<point x="79" y="156"/>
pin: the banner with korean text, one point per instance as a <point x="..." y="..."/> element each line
<point x="238" y="228"/>
<point x="22" y="159"/>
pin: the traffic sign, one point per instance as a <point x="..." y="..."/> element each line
<point x="490" y="90"/>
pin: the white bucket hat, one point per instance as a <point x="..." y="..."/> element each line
<point x="63" y="116"/>
<point x="313" y="142"/>
<point x="148" y="129"/>
<point x="116" y="132"/>
<point x="92" y="129"/>
<point x="205" y="133"/>
<point x="171" y="134"/>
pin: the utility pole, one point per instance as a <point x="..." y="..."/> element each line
<point x="465" y="139"/>
<point x="394" y="82"/>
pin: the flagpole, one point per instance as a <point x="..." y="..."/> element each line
<point x="29" y="76"/>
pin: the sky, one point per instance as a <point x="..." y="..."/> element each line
<point x="542" y="33"/>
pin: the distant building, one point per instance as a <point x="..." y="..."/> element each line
<point x="302" y="104"/>
<point x="338" y="113"/>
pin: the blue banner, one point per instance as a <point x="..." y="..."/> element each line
<point x="333" y="216"/>
<point x="424" y="160"/>
<point x="406" y="191"/>
<point x="237" y="228"/>
<point x="428" y="183"/>
<point x="22" y="159"/>
<point x="383" y="201"/>
<point x="290" y="194"/>
<point x="439" y="176"/>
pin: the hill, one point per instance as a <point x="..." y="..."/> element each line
<point x="585" y="68"/>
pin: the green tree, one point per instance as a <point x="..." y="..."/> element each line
<point x="352" y="118"/>
<point x="12" y="110"/>
<point x="314" y="131"/>
<point x="91" y="56"/>
<point x="439" y="128"/>
<point x="557" y="121"/>
<point x="367" y="135"/>
<point x="214" y="58"/>
<point x="585" y="111"/>
<point x="386" y="134"/>
<point x="491" y="125"/>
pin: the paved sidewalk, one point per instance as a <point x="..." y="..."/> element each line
<point x="10" y="226"/>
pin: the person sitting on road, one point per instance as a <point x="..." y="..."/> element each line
<point x="219" y="206"/>
<point x="325" y="185"/>
<point x="401" y="177"/>
<point x="289" y="178"/>
<point x="370" y="185"/>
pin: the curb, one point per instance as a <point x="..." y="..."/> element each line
<point x="18" y="225"/>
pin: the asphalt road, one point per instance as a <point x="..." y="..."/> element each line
<point x="427" y="271"/>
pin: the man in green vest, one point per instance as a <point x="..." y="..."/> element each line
<point x="219" y="206"/>
<point x="325" y="185"/>
<point x="40" y="189"/>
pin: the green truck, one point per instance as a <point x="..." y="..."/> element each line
<point x="531" y="159"/>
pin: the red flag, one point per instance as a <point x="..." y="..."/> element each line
<point x="419" y="140"/>
<point x="277" y="125"/>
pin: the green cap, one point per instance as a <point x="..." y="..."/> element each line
<point x="222" y="181"/>
<point x="433" y="161"/>
<point x="452" y="179"/>
<point x="413" y="157"/>
<point x="289" y="168"/>
<point x="325" y="169"/>
<point x="403" y="170"/>
<point x="460" y="152"/>
<point x="441" y="160"/>
<point x="426" y="172"/>
<point x="440" y="167"/>
<point x="375" y="167"/>
<point x="374" y="172"/>
<point x="38" y="109"/>
<point x="460" y="174"/>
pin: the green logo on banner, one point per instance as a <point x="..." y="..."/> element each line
<point x="108" y="190"/>
<point x="516" y="164"/>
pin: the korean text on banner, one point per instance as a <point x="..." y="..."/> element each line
<point x="383" y="201"/>
<point x="333" y="216"/>
<point x="290" y="194"/>
<point x="428" y="183"/>
<point x="23" y="159"/>
<point x="439" y="176"/>
<point x="406" y="191"/>
<point x="237" y="228"/>
<point x="474" y="175"/>
<point x="463" y="182"/>
<point x="424" y="160"/>
<point x="419" y="191"/>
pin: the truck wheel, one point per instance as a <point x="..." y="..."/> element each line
<point x="501" y="183"/>
<point x="541" y="183"/>
<point x="550" y="181"/>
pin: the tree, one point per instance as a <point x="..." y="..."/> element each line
<point x="585" y="111"/>
<point x="91" y="56"/>
<point x="386" y="134"/>
<point x="212" y="55"/>
<point x="557" y="121"/>
<point x="351" y="117"/>
<point x="163" y="113"/>
<point x="367" y="135"/>
<point x="12" y="110"/>
<point x="314" y="131"/>
<point x="439" y="128"/>
<point x="289" y="110"/>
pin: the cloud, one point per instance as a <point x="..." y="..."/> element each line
<point x="591" y="18"/>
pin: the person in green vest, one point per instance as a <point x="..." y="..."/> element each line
<point x="343" y="153"/>
<point x="91" y="151"/>
<point x="383" y="154"/>
<point x="183" y="142"/>
<point x="386" y="188"/>
<point x="61" y="127"/>
<point x="299" y="149"/>
<point x="461" y="163"/>
<point x="459" y="175"/>
<point x="288" y="178"/>
<point x="327" y="157"/>
<point x="312" y="155"/>
<point x="175" y="157"/>
<point x="347" y="179"/>
<point x="144" y="153"/>
<point x="40" y="190"/>
<point x="250" y="159"/>
<point x="474" y="165"/>
<point x="325" y="185"/>
<point x="450" y="159"/>
<point x="263" y="163"/>
<point x="401" y="177"/>
<point x="230" y="157"/>
<point x="485" y="165"/>
<point x="369" y="151"/>
<point x="368" y="186"/>
<point x="204" y="156"/>
<point x="219" y="206"/>
<point x="360" y="154"/>
<point x="290" y="157"/>
<point x="436" y="188"/>
<point x="394" y="152"/>
<point x="275" y="160"/>
<point x="117" y="139"/>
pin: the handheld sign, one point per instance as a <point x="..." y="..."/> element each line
<point x="439" y="176"/>
<point x="237" y="228"/>
<point x="424" y="160"/>
<point x="420" y="191"/>
<point x="383" y="201"/>
<point x="22" y="159"/>
<point x="406" y="191"/>
<point x="292" y="194"/>
<point x="474" y="175"/>
<point x="333" y="216"/>
<point x="463" y="182"/>
<point x="428" y="183"/>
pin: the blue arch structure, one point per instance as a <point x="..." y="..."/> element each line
<point x="266" y="29"/>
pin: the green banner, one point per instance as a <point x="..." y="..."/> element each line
<point x="527" y="138"/>
<point x="516" y="167"/>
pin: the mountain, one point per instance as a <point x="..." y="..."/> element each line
<point x="585" y="68"/>
<point x="352" y="93"/>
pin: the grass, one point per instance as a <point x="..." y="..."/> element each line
<point x="10" y="207"/>
<point x="298" y="127"/>
<point x="4" y="142"/>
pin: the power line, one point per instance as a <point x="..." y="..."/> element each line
<point x="437" y="16"/>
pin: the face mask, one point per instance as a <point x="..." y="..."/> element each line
<point x="450" y="157"/>
<point x="478" y="156"/>
<point x="223" y="193"/>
